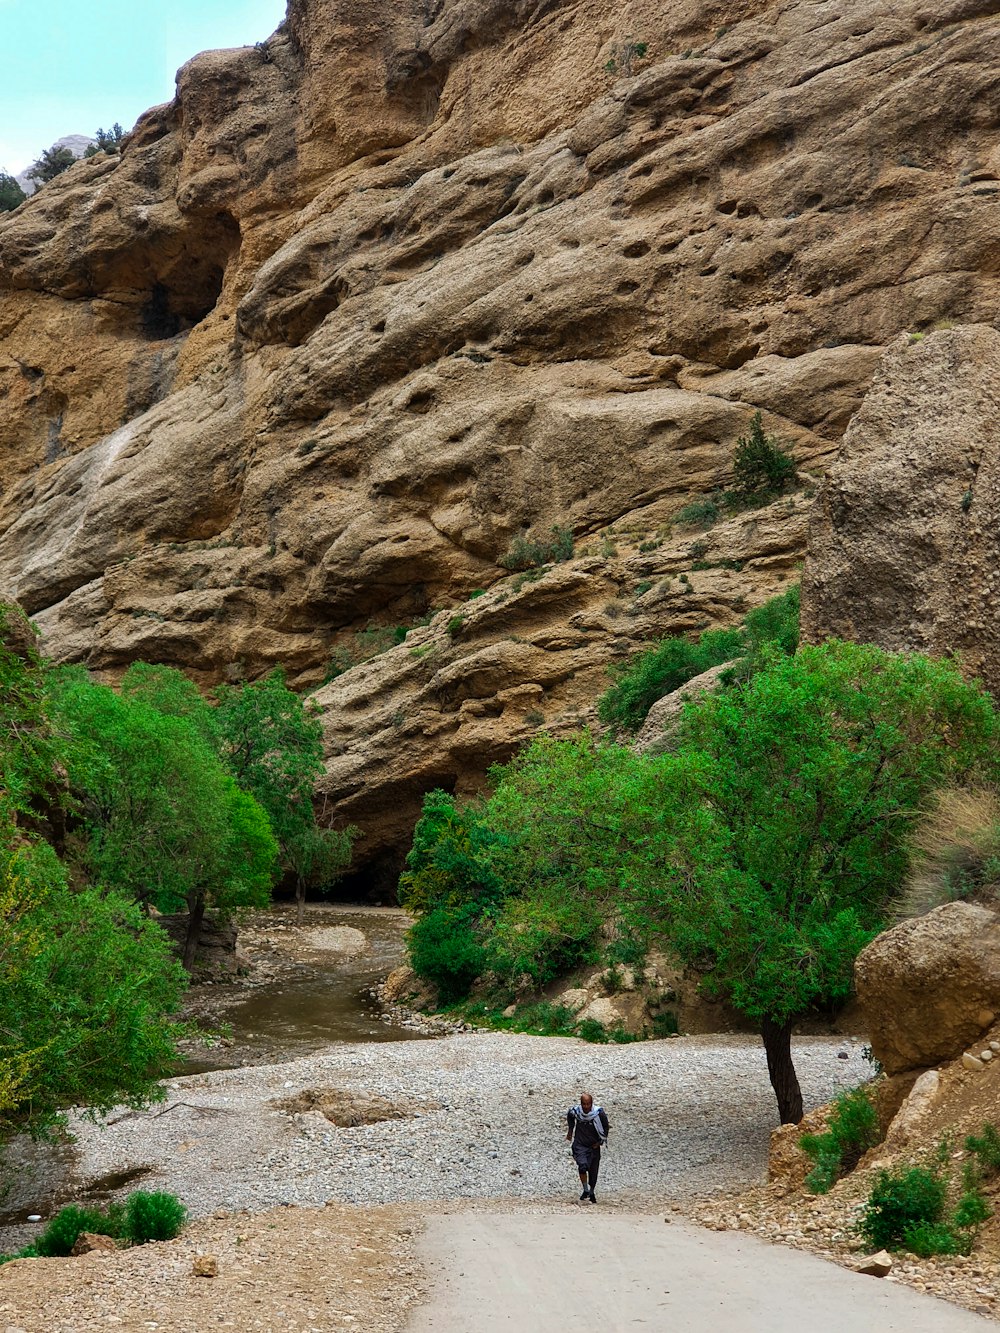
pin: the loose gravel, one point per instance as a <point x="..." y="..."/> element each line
<point x="487" y="1120"/>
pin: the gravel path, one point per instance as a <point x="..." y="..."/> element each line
<point x="688" y="1115"/>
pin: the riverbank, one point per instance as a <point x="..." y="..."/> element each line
<point x="480" y="1116"/>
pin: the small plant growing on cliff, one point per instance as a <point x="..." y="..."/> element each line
<point x="623" y="57"/>
<point x="531" y="553"/>
<point x="761" y="468"/>
<point x="11" y="194"/>
<point x="700" y="513"/>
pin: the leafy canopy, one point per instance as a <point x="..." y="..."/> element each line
<point x="815" y="771"/>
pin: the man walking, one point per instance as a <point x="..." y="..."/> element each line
<point x="587" y="1129"/>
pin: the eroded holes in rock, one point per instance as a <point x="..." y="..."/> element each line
<point x="421" y="401"/>
<point x="522" y="261"/>
<point x="529" y="298"/>
<point x="727" y="206"/>
<point x="636" y="250"/>
<point x="546" y="197"/>
<point x="570" y="242"/>
<point x="379" y="327"/>
<point x="627" y="288"/>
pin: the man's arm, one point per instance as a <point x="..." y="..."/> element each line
<point x="604" y="1121"/>
<point x="570" y="1126"/>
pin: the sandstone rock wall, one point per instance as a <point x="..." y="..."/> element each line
<point x="359" y="307"/>
<point x="904" y="545"/>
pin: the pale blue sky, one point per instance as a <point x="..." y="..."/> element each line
<point x="69" y="66"/>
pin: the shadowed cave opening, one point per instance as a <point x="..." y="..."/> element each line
<point x="183" y="291"/>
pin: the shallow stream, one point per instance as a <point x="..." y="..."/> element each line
<point x="301" y="997"/>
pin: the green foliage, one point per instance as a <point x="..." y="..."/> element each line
<point x="901" y="1202"/>
<point x="647" y="677"/>
<point x="108" y="141"/>
<point x="445" y="950"/>
<point x="665" y="1024"/>
<point x="11" y="194"/>
<point x="531" y="553"/>
<point x="163" y="820"/>
<point x="53" y="162"/>
<point x="659" y="670"/>
<point x="143" y="1218"/>
<point x="62" y="1233"/>
<point x="986" y="1148"/>
<point x="590" y="1030"/>
<point x="157" y="1216"/>
<point x="926" y="1239"/>
<point x="972" y="1210"/>
<point x="815" y="770"/>
<point x="700" y="513"/>
<point x="454" y="626"/>
<point x="272" y="744"/>
<point x="87" y="987"/>
<point x="853" y="1129"/>
<point x="761" y="468"/>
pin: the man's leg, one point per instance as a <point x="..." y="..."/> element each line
<point x="595" y="1166"/>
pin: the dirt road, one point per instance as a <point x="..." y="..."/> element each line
<point x="546" y="1272"/>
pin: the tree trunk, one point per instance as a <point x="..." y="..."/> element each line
<point x="778" y="1046"/>
<point x="195" y="917"/>
<point x="300" y="898"/>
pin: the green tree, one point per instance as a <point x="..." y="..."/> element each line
<point x="272" y="744"/>
<point x="53" y="162"/>
<point x="163" y="820"/>
<point x="814" y="772"/>
<point x="11" y="194"/>
<point x="108" y="141"/>
<point x="87" y="989"/>
<point x="760" y="466"/>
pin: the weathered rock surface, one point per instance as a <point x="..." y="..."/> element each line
<point x="89" y="1242"/>
<point x="359" y="307"/>
<point x="929" y="987"/>
<point x="661" y="722"/>
<point x="904" y="541"/>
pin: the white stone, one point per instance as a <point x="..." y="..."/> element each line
<point x="970" y="1061"/>
<point x="986" y="1055"/>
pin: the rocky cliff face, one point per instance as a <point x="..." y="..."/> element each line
<point x="905" y="539"/>
<point x="359" y="307"/>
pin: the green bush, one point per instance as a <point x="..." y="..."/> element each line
<point x="899" y="1202"/>
<point x="531" y="553"/>
<point x="644" y="679"/>
<point x="986" y="1147"/>
<point x="698" y="514"/>
<point x="445" y="951"/>
<point x="590" y="1030"/>
<point x="925" y="1239"/>
<point x="156" y="1216"/>
<point x="647" y="677"/>
<point x="59" y="1237"/>
<point x="761" y="467"/>
<point x="665" y="1024"/>
<point x="853" y="1129"/>
<point x="11" y="194"/>
<point x="972" y="1210"/>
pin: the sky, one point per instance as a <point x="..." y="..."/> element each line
<point x="70" y="66"/>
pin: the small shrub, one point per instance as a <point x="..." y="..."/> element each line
<point x="852" y="1130"/>
<point x="760" y="466"/>
<point x="665" y="1024"/>
<point x="700" y="513"/>
<point x="59" y="1237"/>
<point x="697" y="550"/>
<point x="529" y="553"/>
<point x="445" y="951"/>
<point x="972" y="1210"/>
<point x="925" y="1239"/>
<point x="454" y="626"/>
<point x="476" y="592"/>
<point x="986" y="1148"/>
<point x="898" y="1202"/>
<point x="590" y="1030"/>
<point x="156" y="1216"/>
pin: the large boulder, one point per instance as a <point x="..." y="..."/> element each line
<point x="662" y="721"/>
<point x="930" y="986"/>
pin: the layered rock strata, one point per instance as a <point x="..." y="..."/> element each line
<point x="363" y="304"/>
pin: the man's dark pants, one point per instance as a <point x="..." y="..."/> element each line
<point x="588" y="1159"/>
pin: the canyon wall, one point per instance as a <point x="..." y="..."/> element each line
<point x="365" y="303"/>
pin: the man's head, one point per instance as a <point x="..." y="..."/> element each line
<point x="586" y="1102"/>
